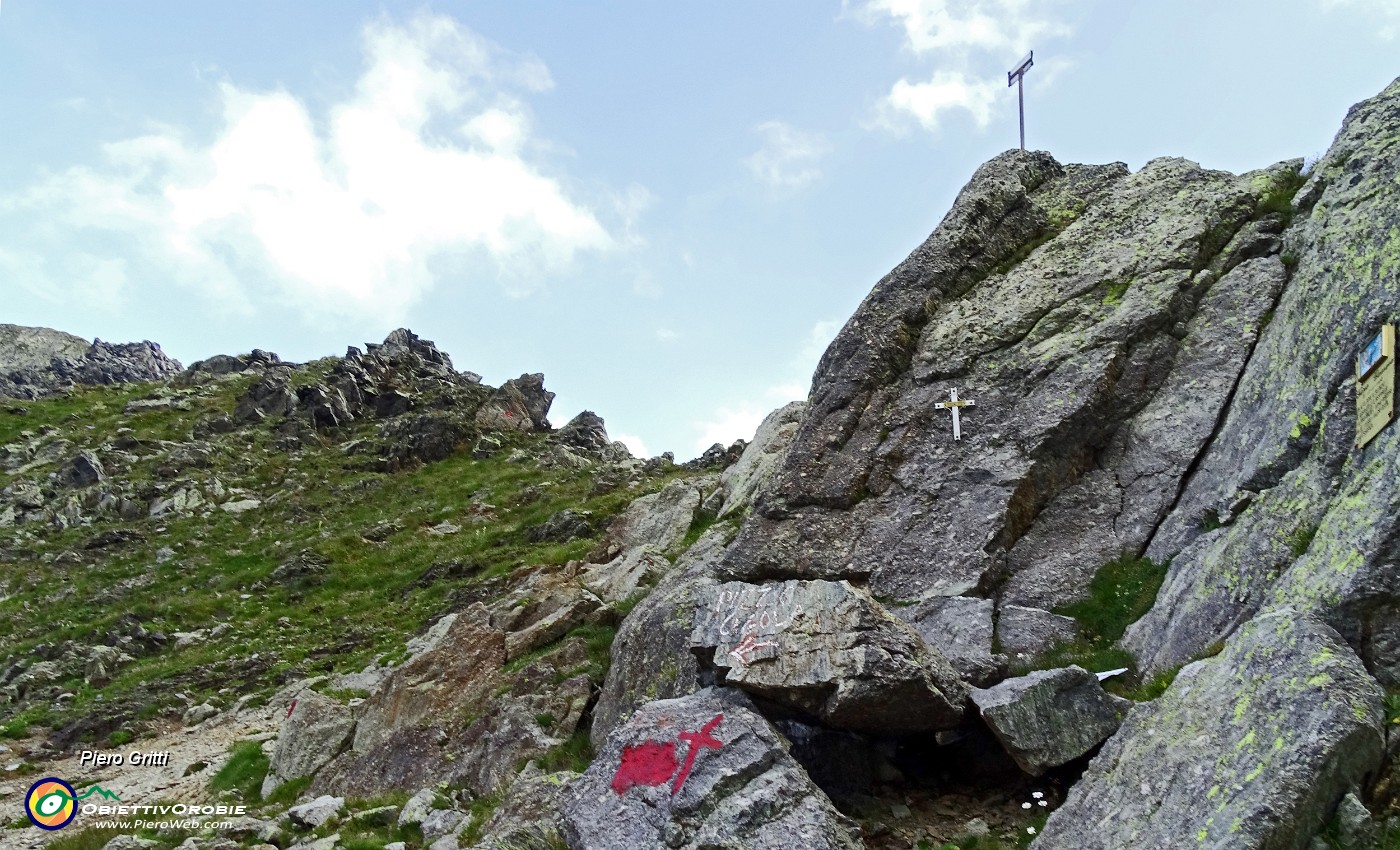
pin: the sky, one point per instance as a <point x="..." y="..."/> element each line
<point x="668" y="209"/>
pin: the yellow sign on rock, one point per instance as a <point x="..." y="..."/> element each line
<point x="1375" y="386"/>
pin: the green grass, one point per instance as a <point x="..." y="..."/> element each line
<point x="290" y="791"/>
<point x="698" y="526"/>
<point x="1279" y="198"/>
<point x="90" y="838"/>
<point x="361" y="608"/>
<point x="575" y="754"/>
<point x="18" y="726"/>
<point x="480" y="810"/>
<point x="1300" y="538"/>
<point x="1120" y="592"/>
<point x="244" y="771"/>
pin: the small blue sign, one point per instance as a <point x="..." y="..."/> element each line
<point x="1372" y="355"/>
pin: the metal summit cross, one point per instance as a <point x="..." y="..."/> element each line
<point x="1015" y="76"/>
<point x="953" y="404"/>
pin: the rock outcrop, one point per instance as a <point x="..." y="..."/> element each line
<point x="35" y="362"/>
<point x="1306" y="520"/>
<point x="705" y="770"/>
<point x="1250" y="749"/>
<point x="828" y="649"/>
<point x="893" y="596"/>
<point x="1050" y="717"/>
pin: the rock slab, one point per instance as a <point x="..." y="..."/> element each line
<point x="702" y="771"/>
<point x="831" y="650"/>
<point x="1250" y="749"/>
<point x="1050" y="717"/>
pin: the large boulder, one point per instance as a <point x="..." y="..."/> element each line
<point x="314" y="731"/>
<point x="702" y="771"/>
<point x="651" y="657"/>
<point x="1250" y="749"/>
<point x="1025" y="633"/>
<point x="830" y="650"/>
<point x="585" y="433"/>
<point x="456" y="672"/>
<point x="634" y="549"/>
<point x="520" y="404"/>
<point x="405" y="736"/>
<point x="272" y="396"/>
<point x="1078" y="306"/>
<point x="82" y="470"/>
<point x="960" y="628"/>
<point x="1050" y="717"/>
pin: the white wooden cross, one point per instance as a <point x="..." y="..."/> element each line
<point x="953" y="405"/>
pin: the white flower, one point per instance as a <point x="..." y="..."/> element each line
<point x="1030" y="830"/>
<point x="1025" y="805"/>
<point x="1043" y="803"/>
<point x="1037" y="794"/>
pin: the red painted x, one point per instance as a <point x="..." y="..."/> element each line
<point x="697" y="740"/>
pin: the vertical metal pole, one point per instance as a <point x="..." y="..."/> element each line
<point x="1021" y="105"/>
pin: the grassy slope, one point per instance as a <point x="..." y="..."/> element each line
<point x="362" y="607"/>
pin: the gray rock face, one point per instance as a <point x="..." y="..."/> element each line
<point x="651" y="657"/>
<point x="830" y="650"/>
<point x="1075" y="351"/>
<point x="1249" y="749"/>
<point x="1025" y="633"/>
<point x="1050" y="717"/>
<point x="635" y="548"/>
<point x="699" y="772"/>
<point x="316" y="729"/>
<point x="586" y="433"/>
<point x="83" y="470"/>
<point x="221" y="365"/>
<point x="423" y="438"/>
<point x="454" y="673"/>
<point x="35" y="362"/>
<point x="741" y="482"/>
<point x="960" y="628"/>
<point x="316" y="812"/>
<point x="1309" y="521"/>
<point x="529" y="818"/>
<point x="418" y="807"/>
<point x="561" y="527"/>
<point x="270" y="397"/>
<point x="520" y="404"/>
<point x="24" y="347"/>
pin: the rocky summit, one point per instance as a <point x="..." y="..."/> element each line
<point x="1086" y="536"/>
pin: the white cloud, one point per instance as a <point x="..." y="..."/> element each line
<point x="789" y="156"/>
<point x="818" y="338"/>
<point x="965" y="38"/>
<point x="429" y="157"/>
<point x="1387" y="12"/>
<point x="926" y="102"/>
<point x="739" y="421"/>
<point x="729" y="424"/>
<point x="634" y="445"/>
<point x="666" y="334"/>
<point x="996" y="26"/>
